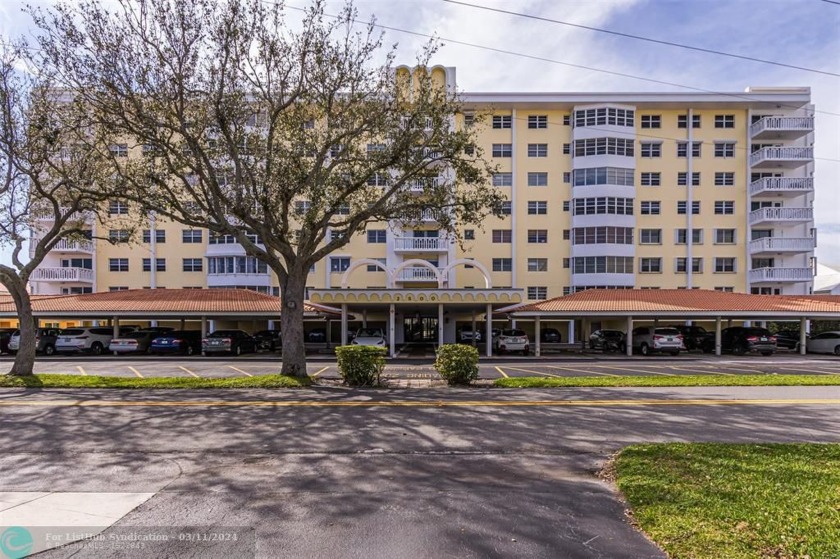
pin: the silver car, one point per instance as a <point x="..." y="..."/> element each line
<point x="647" y="340"/>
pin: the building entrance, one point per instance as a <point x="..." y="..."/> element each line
<point x="420" y="330"/>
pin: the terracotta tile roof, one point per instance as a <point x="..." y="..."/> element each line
<point x="652" y="301"/>
<point x="162" y="301"/>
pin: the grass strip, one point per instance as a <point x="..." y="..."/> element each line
<point x="82" y="381"/>
<point x="735" y="500"/>
<point x="675" y="380"/>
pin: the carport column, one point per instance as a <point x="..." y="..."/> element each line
<point x="803" y="341"/>
<point x="570" y="338"/>
<point x="537" y="336"/>
<point x="488" y="331"/>
<point x="392" y="318"/>
<point x="629" y="338"/>
<point x="717" y="336"/>
<point x="364" y="318"/>
<point x="474" y="331"/>
<point x="116" y="326"/>
<point x="440" y="324"/>
<point x="343" y="339"/>
<point x="329" y="332"/>
<point x="183" y="324"/>
<point x="203" y="326"/>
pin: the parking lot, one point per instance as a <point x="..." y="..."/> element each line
<point x="497" y="367"/>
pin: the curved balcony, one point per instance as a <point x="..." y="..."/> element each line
<point x="781" y="275"/>
<point x="80" y="275"/>
<point x="781" y="215"/>
<point x="781" y="157"/>
<point x="782" y="127"/>
<point x="784" y="187"/>
<point x="779" y="245"/>
<point x="421" y="244"/>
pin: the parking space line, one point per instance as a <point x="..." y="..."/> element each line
<point x="696" y="371"/>
<point x="320" y="371"/>
<point x="135" y="371"/>
<point x="188" y="371"/>
<point x="643" y="371"/>
<point x="535" y="372"/>
<point x="238" y="370"/>
<point x="81" y="370"/>
<point x="587" y="371"/>
<point x="501" y="372"/>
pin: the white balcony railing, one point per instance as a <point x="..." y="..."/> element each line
<point x="791" y="155"/>
<point x="418" y="273"/>
<point x="421" y="185"/>
<point x="782" y="185"/>
<point x="65" y="245"/>
<point x="782" y="244"/>
<point x="63" y="274"/>
<point x="421" y="244"/>
<point x="803" y="124"/>
<point x="781" y="275"/>
<point x="782" y="215"/>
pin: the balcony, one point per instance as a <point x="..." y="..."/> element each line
<point x="421" y="244"/>
<point x="65" y="246"/>
<point x="782" y="127"/>
<point x="781" y="275"/>
<point x="419" y="186"/>
<point x="783" y="187"/>
<point x="417" y="273"/>
<point x="779" y="245"/>
<point x="781" y="157"/>
<point x="791" y="216"/>
<point x="80" y="275"/>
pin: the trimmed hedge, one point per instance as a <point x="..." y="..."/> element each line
<point x="361" y="365"/>
<point x="457" y="363"/>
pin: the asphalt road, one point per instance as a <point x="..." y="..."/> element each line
<point x="335" y="472"/>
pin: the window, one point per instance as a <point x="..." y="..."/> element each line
<point x="507" y="207"/>
<point x="160" y="264"/>
<point x="235" y="265"/>
<point x="537" y="179"/>
<point x="567" y="120"/>
<point x="502" y="236"/>
<point x="193" y="265"/>
<point x="724" y="121"/>
<point x="537" y="207"/>
<point x="605" y="205"/>
<point x="567" y="149"/>
<point x="337" y="234"/>
<point x="682" y="149"/>
<point x="191" y="236"/>
<point x="537" y="293"/>
<point x="604" y="146"/>
<point x="119" y="235"/>
<point x="724" y="149"/>
<point x="650" y="236"/>
<point x="725" y="265"/>
<point x="378" y="179"/>
<point x="118" y="288"/>
<point x="602" y="235"/>
<point x="651" y="179"/>
<point x="502" y="179"/>
<point x="502" y="150"/>
<point x="602" y="265"/>
<point x="682" y="205"/>
<point x="650" y="208"/>
<point x="650" y="265"/>
<point x="537" y="121"/>
<point x="567" y="234"/>
<point x="651" y="121"/>
<point x="118" y="264"/>
<point x="725" y="289"/>
<point x="604" y="175"/>
<point x="502" y="121"/>
<point x="469" y="119"/>
<point x="537" y="235"/>
<point x="160" y="236"/>
<point x="339" y="263"/>
<point x="343" y="209"/>
<point x="682" y="121"/>
<point x="682" y="179"/>
<point x="538" y="264"/>
<point x="118" y="150"/>
<point x="602" y="116"/>
<point x="377" y="236"/>
<point x="681" y="236"/>
<point x="567" y="177"/>
<point x="537" y="150"/>
<point x="502" y="264"/>
<point x="566" y="204"/>
<point x="117" y="207"/>
<point x="373" y="149"/>
<point x="725" y="236"/>
<point x="469" y="234"/>
<point x="374" y="267"/>
<point x="696" y="265"/>
<point x="724" y="179"/>
<point x="651" y="149"/>
<point x="724" y="207"/>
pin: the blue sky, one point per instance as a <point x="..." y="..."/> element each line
<point x="799" y="32"/>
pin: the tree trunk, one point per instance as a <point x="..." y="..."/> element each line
<point x="293" y="291"/>
<point x="25" y="358"/>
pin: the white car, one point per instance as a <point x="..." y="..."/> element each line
<point x="827" y="342"/>
<point x="369" y="336"/>
<point x="647" y="339"/>
<point x="512" y="340"/>
<point x="84" y="340"/>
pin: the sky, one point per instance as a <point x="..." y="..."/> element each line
<point x="797" y="32"/>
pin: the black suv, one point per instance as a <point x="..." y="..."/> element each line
<point x="269" y="339"/>
<point x="608" y="340"/>
<point x="693" y="336"/>
<point x="788" y="339"/>
<point x="740" y="340"/>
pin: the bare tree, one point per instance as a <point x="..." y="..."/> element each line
<point x="55" y="176"/>
<point x="291" y="133"/>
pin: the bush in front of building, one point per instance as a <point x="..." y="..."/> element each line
<point x="361" y="365"/>
<point x="457" y="363"/>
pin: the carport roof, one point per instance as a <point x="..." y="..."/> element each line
<point x="676" y="302"/>
<point x="160" y="302"/>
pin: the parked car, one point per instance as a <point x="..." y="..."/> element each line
<point x="512" y="340"/>
<point x="741" y="339"/>
<point x="269" y="339"/>
<point x="316" y="336"/>
<point x="825" y="342"/>
<point x="184" y="342"/>
<point x="5" y="336"/>
<point x="45" y="339"/>
<point x="93" y="340"/>
<point x="647" y="339"/>
<point x="789" y="339"/>
<point x="693" y="336"/>
<point x="138" y="341"/>
<point x="236" y="342"/>
<point x="369" y="336"/>
<point x="466" y="335"/>
<point x="550" y="336"/>
<point x="608" y="340"/>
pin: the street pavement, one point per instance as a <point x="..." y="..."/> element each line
<point x="338" y="472"/>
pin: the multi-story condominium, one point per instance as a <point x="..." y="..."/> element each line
<point x="611" y="190"/>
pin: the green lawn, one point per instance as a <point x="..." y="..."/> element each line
<point x="83" y="381"/>
<point x="735" y="500"/>
<point x="675" y="380"/>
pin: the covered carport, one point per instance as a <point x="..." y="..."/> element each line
<point x="676" y="305"/>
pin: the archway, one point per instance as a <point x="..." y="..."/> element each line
<point x="389" y="276"/>
<point x="419" y="262"/>
<point x="467" y="262"/>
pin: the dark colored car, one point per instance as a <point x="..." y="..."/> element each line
<point x="550" y="335"/>
<point x="183" y="342"/>
<point x="269" y="339"/>
<point x="693" y="336"/>
<point x="236" y="342"/>
<point x="741" y="339"/>
<point x="5" y="336"/>
<point x="788" y="339"/>
<point x="316" y="336"/>
<point x="608" y="340"/>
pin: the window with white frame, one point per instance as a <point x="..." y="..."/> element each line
<point x="725" y="265"/>
<point x="602" y="235"/>
<point x="681" y="265"/>
<point x="374" y="267"/>
<point x="302" y="206"/>
<point x="537" y="293"/>
<point x="117" y="207"/>
<point x="650" y="265"/>
<point x="537" y="150"/>
<point x="681" y="236"/>
<point x="160" y="236"/>
<point x="724" y="207"/>
<point x="502" y="264"/>
<point x="724" y="178"/>
<point x="682" y="179"/>
<point x="682" y="149"/>
<point x="591" y="176"/>
<point x="507" y="207"/>
<point x="160" y="264"/>
<point x="118" y="150"/>
<point x="192" y="265"/>
<point x="651" y="121"/>
<point x="683" y="205"/>
<point x="537" y="121"/>
<point x="537" y="207"/>
<point x="724" y="149"/>
<point x="650" y="236"/>
<point x="378" y="179"/>
<point x="502" y="121"/>
<point x="502" y="150"/>
<point x="191" y="236"/>
<point x="336" y="234"/>
<point x="725" y="236"/>
<point x="651" y="149"/>
<point x="119" y="235"/>
<point x="603" y="205"/>
<point x="538" y="264"/>
<point x="501" y="236"/>
<point x="538" y="179"/>
<point x="502" y="179"/>
<point x="339" y="263"/>
<point x="650" y="208"/>
<point x="651" y="179"/>
<point x="537" y="235"/>
<point x="604" y="116"/>
<point x="724" y="121"/>
<point x="682" y="121"/>
<point x="118" y="264"/>
<point x="602" y="265"/>
<point x="604" y="146"/>
<point x="377" y="236"/>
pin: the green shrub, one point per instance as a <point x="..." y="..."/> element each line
<point x="457" y="364"/>
<point x="361" y="365"/>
